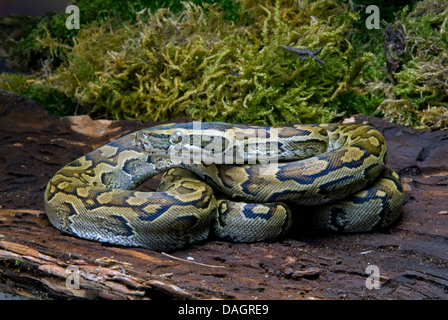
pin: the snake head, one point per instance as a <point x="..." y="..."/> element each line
<point x="153" y="143"/>
<point x="160" y="143"/>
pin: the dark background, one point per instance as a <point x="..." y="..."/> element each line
<point x="31" y="7"/>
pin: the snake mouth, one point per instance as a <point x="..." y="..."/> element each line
<point x="157" y="153"/>
<point x="152" y="151"/>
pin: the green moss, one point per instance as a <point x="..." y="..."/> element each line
<point x="29" y="51"/>
<point x="194" y="61"/>
<point x="423" y="79"/>
<point x="54" y="100"/>
<point x="201" y="66"/>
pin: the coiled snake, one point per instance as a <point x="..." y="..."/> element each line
<point x="334" y="174"/>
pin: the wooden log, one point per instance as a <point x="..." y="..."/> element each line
<point x="38" y="261"/>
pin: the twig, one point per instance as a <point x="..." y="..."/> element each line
<point x="184" y="260"/>
<point x="44" y="68"/>
<point x="305" y="52"/>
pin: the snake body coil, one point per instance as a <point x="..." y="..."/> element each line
<point x="341" y="180"/>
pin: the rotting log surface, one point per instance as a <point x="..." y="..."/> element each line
<point x="412" y="257"/>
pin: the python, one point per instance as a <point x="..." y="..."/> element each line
<point x="340" y="183"/>
<point x="220" y="144"/>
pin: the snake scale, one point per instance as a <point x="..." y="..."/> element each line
<point x="333" y="174"/>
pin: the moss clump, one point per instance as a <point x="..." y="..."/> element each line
<point x="28" y="52"/>
<point x="194" y="61"/>
<point x="420" y="97"/>
<point x="200" y="65"/>
<point x="54" y="100"/>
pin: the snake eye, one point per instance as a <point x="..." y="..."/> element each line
<point x="176" y="137"/>
<point x="143" y="135"/>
